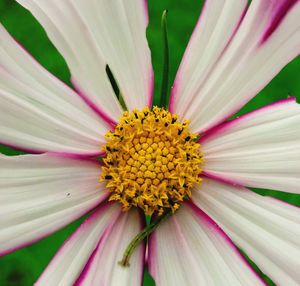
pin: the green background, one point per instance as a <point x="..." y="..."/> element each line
<point x="23" y="267"/>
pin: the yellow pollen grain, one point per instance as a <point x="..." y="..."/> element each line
<point x="152" y="161"/>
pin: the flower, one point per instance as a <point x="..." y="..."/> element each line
<point x="234" y="52"/>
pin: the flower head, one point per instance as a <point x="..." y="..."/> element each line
<point x="152" y="161"/>
<point x="185" y="164"/>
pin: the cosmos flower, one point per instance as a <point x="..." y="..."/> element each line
<point x="154" y="161"/>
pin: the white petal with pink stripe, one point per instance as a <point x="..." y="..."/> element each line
<point x="91" y="36"/>
<point x="266" y="228"/>
<point x="90" y="256"/>
<point x="260" y="149"/>
<point x="220" y="71"/>
<point x="38" y="113"/>
<point x="71" y="258"/>
<point x="190" y="249"/>
<point x="103" y="267"/>
<point x="39" y="194"/>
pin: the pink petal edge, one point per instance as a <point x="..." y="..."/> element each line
<point x="22" y="149"/>
<point x="281" y="9"/>
<point x="111" y="122"/>
<point x="84" y="98"/>
<point x="86" y="268"/>
<point x="83" y="156"/>
<point x="214" y="131"/>
<point x="151" y="89"/>
<point x="100" y="209"/>
<point x="240" y="186"/>
<point x="177" y="78"/>
<point x="213" y="225"/>
<point x="146" y="10"/>
<point x="102" y="240"/>
<point x="221" y="179"/>
<point x="48" y="234"/>
<point x="178" y="75"/>
<point x="205" y="217"/>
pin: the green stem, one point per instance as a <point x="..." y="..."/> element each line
<point x="166" y="63"/>
<point x="140" y="237"/>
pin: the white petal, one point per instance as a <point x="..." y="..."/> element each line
<point x="190" y="249"/>
<point x="92" y="35"/>
<point x="267" y="229"/>
<point x="103" y="267"/>
<point x="232" y="56"/>
<point x="40" y="194"/>
<point x="40" y="113"/>
<point x="218" y="21"/>
<point x="90" y="256"/>
<point x="260" y="149"/>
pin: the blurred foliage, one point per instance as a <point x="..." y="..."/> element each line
<point x="23" y="267"/>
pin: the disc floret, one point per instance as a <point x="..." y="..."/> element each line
<point x="152" y="161"/>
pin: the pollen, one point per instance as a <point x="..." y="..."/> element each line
<point x="152" y="161"/>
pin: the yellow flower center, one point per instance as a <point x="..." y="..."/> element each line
<point x="152" y="161"/>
